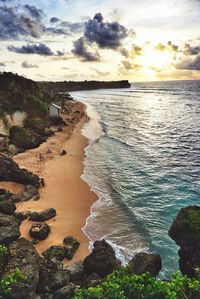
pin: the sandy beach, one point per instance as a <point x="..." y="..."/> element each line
<point x="64" y="189"/>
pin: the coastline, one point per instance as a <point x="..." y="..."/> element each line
<point x="64" y="188"/>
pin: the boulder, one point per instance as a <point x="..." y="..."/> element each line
<point x="76" y="271"/>
<point x="55" y="252"/>
<point x="22" y="215"/>
<point x="52" y="277"/>
<point x="9" y="228"/>
<point x="39" y="231"/>
<point x="185" y="231"/>
<point x="23" y="255"/>
<point x="10" y="171"/>
<point x="145" y="262"/>
<point x="7" y="207"/>
<point x="72" y="245"/>
<point x="102" y="260"/>
<point x="43" y="215"/>
<point x="63" y="152"/>
<point x="21" y="290"/>
<point x="65" y="293"/>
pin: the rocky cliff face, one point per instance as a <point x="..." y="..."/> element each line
<point x="185" y="231"/>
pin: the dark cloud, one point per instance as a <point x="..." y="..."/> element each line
<point x="173" y="47"/>
<point x="105" y="34"/>
<point x="191" y="50"/>
<point x="82" y="49"/>
<point x="124" y="52"/>
<point x="2" y="64"/>
<point x="17" y="20"/>
<point x="54" y="20"/>
<point x="127" y="64"/>
<point x="137" y="50"/>
<point x="34" y="11"/>
<point x="27" y="65"/>
<point x="73" y="27"/>
<point x="57" y="31"/>
<point x="40" y="49"/>
<point x="190" y="64"/>
<point x="168" y="46"/>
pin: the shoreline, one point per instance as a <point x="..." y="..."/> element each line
<point x="72" y="197"/>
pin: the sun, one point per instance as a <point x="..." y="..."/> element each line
<point x="156" y="59"/>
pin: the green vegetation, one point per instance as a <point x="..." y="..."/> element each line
<point x="24" y="138"/>
<point x="36" y="106"/>
<point x="7" y="281"/>
<point x="122" y="285"/>
<point x="3" y="253"/>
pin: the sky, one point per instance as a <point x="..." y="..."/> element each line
<point x="137" y="40"/>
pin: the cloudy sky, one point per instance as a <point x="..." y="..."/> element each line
<point x="138" y="40"/>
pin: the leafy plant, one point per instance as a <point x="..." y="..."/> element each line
<point x="122" y="285"/>
<point x="3" y="252"/>
<point x="7" y="281"/>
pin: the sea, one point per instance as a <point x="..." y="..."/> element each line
<point x="143" y="162"/>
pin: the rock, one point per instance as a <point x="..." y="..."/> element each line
<point x="22" y="215"/>
<point x="72" y="245"/>
<point x="21" y="290"/>
<point x="23" y="255"/>
<point x="25" y="138"/>
<point x="30" y="192"/>
<point x="52" y="276"/>
<point x="65" y="293"/>
<point x="185" y="231"/>
<point x="55" y="252"/>
<point x="76" y="271"/>
<point x="10" y="171"/>
<point x="102" y="260"/>
<point x="92" y="280"/>
<point x="145" y="262"/>
<point x="63" y="152"/>
<point x="7" y="207"/>
<point x="39" y="231"/>
<point x="60" y="129"/>
<point x="9" y="228"/>
<point x="43" y="215"/>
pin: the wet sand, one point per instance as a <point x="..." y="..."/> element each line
<point x="64" y="189"/>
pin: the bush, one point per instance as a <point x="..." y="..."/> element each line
<point x="121" y="285"/>
<point x="36" y="106"/>
<point x="7" y="281"/>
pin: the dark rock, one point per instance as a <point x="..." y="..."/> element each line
<point x="102" y="260"/>
<point x="22" y="215"/>
<point x="57" y="121"/>
<point x="7" y="207"/>
<point x="43" y="215"/>
<point x="52" y="276"/>
<point x="63" y="152"/>
<point x="72" y="245"/>
<point x="92" y="280"/>
<point x="55" y="252"/>
<point x="76" y="271"/>
<point x="39" y="231"/>
<point x="21" y="290"/>
<point x="5" y="195"/>
<point x="25" y="138"/>
<point x="10" y="171"/>
<point x="23" y="255"/>
<point x="30" y="192"/>
<point x="145" y="262"/>
<point x="9" y="228"/>
<point x="185" y="231"/>
<point x="65" y="293"/>
<point x="60" y="129"/>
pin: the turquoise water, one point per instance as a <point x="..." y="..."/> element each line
<point x="143" y="162"/>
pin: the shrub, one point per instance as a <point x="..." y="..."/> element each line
<point x="121" y="285"/>
<point x="7" y="281"/>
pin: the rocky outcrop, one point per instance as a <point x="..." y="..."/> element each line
<point x="102" y="260"/>
<point x="43" y="215"/>
<point x="65" y="293"/>
<point x="76" y="271"/>
<point x="9" y="228"/>
<point x="23" y="255"/>
<point x="39" y="231"/>
<point x="22" y="215"/>
<point x="10" y="171"/>
<point x="30" y="192"/>
<point x="6" y="204"/>
<point x="185" y="231"/>
<point x="52" y="277"/>
<point x="145" y="262"/>
<point x="25" y="138"/>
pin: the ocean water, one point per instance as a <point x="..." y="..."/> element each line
<point x="143" y="162"/>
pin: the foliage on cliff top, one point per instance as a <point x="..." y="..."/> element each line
<point x="122" y="285"/>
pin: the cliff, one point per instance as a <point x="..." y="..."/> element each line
<point x="83" y="85"/>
